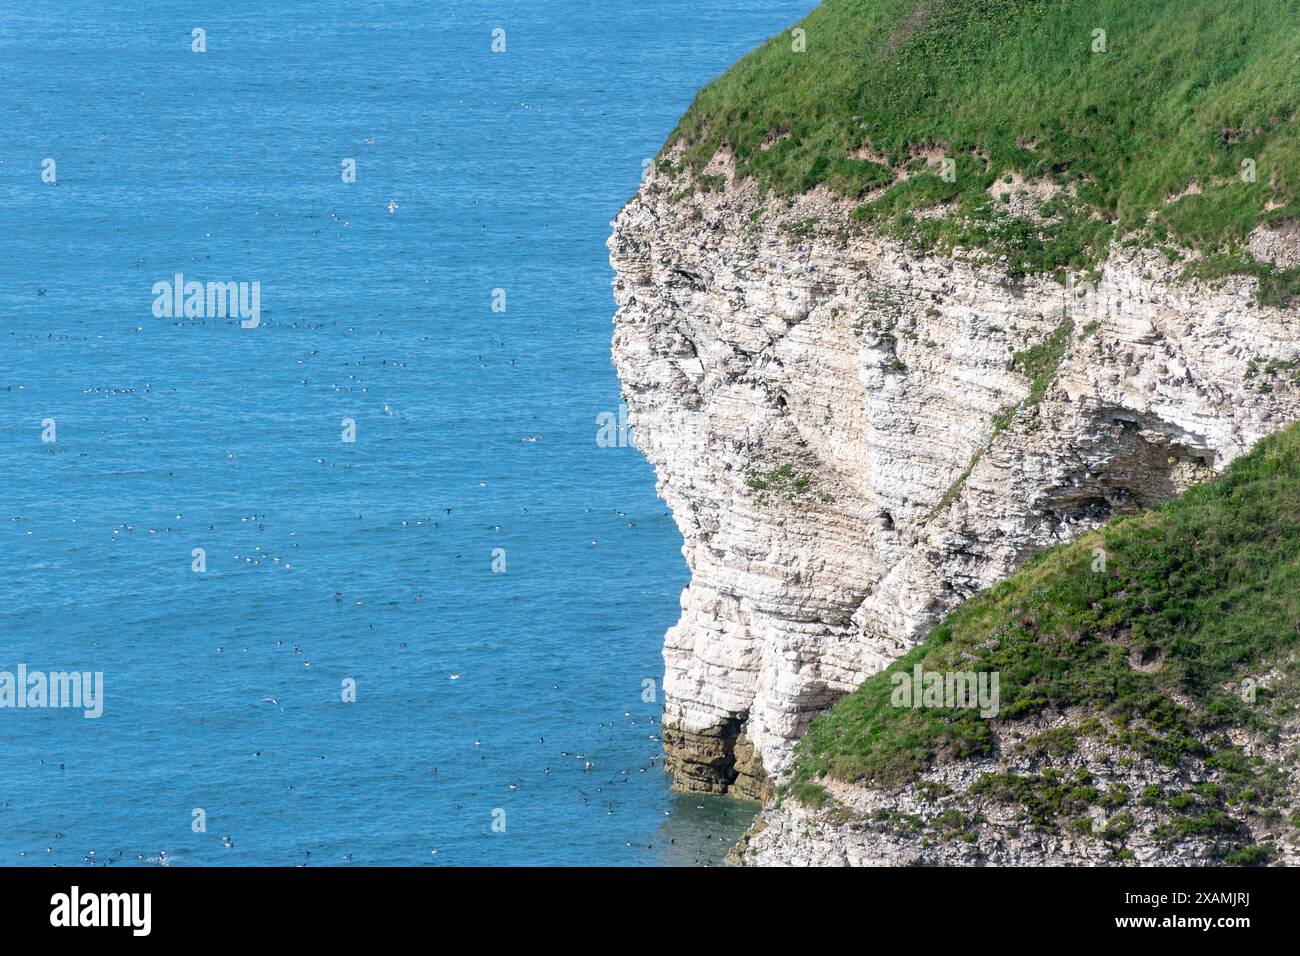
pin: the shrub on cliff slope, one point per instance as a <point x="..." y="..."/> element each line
<point x="1176" y="118"/>
<point x="1176" y="632"/>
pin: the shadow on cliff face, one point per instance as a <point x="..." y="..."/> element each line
<point x="1151" y="461"/>
<point x="723" y="760"/>
<point x="716" y="761"/>
<point x="703" y="761"/>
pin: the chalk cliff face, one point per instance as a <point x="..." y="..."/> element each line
<point x="851" y="441"/>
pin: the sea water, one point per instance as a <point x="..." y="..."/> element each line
<point x="361" y="583"/>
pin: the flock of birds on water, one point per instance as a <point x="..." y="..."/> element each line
<point x="594" y="787"/>
<point x="703" y="848"/>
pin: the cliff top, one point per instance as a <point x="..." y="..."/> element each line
<point x="1170" y="122"/>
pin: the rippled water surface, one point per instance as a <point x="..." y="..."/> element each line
<point x="325" y="560"/>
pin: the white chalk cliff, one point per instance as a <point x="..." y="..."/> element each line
<point x="850" y="449"/>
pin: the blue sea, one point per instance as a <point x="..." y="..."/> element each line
<point x="179" y="508"/>
<point x="434" y="644"/>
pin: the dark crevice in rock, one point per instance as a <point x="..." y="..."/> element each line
<point x="717" y="760"/>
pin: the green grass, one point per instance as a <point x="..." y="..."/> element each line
<point x="1279" y="288"/>
<point x="782" y="481"/>
<point x="1041" y="362"/>
<point x="1185" y="92"/>
<point x="811" y="794"/>
<point x="1196" y="596"/>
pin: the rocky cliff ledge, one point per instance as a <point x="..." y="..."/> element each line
<point x="854" y="437"/>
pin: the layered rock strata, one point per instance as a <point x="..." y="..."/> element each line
<point x="855" y="437"/>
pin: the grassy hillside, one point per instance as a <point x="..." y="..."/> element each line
<point x="1195" y="598"/>
<point x="1184" y="92"/>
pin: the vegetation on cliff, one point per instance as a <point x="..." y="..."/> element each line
<point x="1166" y="122"/>
<point x="1175" y="632"/>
